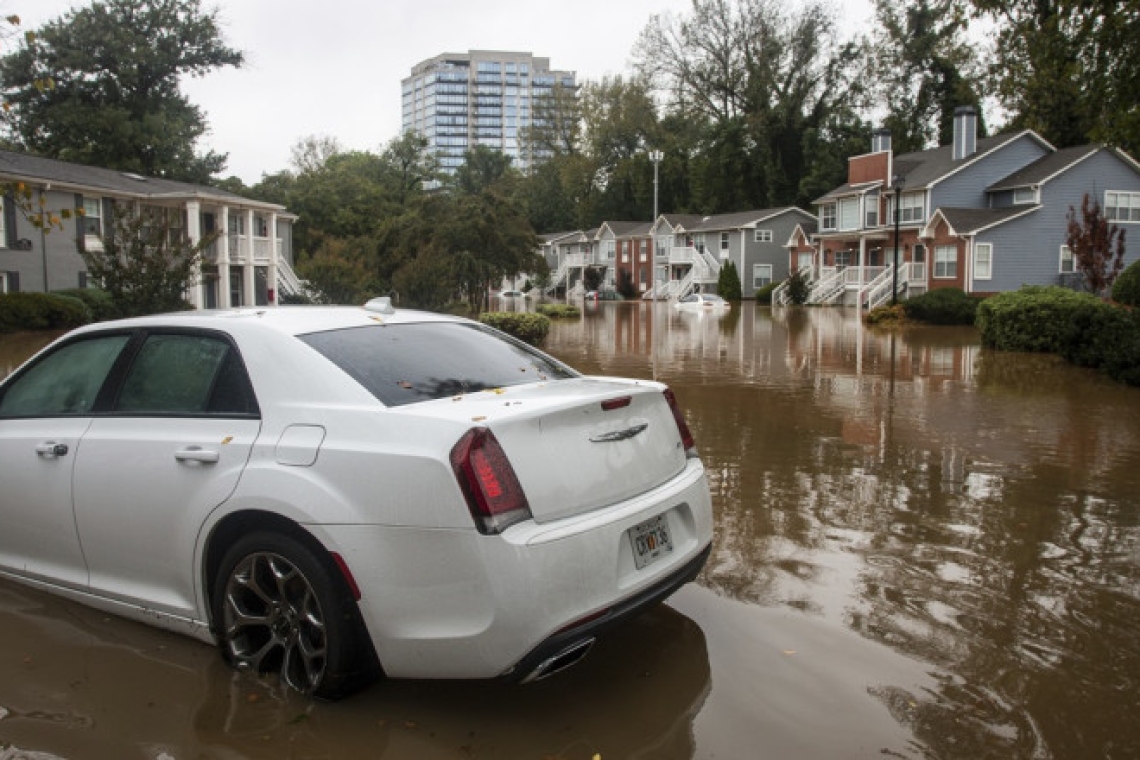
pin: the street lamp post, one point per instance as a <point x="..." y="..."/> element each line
<point x="655" y="156"/>
<point x="897" y="182"/>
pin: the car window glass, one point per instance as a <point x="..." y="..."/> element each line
<point x="402" y="364"/>
<point x="173" y="374"/>
<point x="67" y="381"/>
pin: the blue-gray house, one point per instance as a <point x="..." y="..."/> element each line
<point x="984" y="214"/>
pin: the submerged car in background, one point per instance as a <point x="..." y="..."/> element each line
<point x="332" y="493"/>
<point x="702" y="302"/>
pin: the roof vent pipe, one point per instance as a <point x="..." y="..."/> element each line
<point x="965" y="132"/>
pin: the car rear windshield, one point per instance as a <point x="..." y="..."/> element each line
<point x="406" y="363"/>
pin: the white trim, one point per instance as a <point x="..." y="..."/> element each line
<point x="934" y="263"/>
<point x="973" y="159"/>
<point x="1061" y="261"/>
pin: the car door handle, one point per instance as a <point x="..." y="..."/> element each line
<point x="51" y="450"/>
<point x="197" y="454"/>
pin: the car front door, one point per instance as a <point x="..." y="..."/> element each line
<point x="172" y="449"/>
<point x="44" y="412"/>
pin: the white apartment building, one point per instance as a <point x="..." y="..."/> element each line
<point x="482" y="97"/>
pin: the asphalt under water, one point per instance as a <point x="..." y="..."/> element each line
<point x="923" y="549"/>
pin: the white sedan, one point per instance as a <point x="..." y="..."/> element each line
<point x="702" y="302"/>
<point x="331" y="493"/>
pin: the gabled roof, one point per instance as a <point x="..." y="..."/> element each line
<point x="925" y="168"/>
<point x="849" y="189"/>
<point x="970" y="221"/>
<point x="554" y="237"/>
<point x="740" y="220"/>
<point x="77" y="177"/>
<point x="626" y="229"/>
<point x="1045" y="168"/>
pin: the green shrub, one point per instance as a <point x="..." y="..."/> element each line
<point x="558" y="310"/>
<point x="98" y="301"/>
<point x="528" y="327"/>
<point x="798" y="287"/>
<point x="944" y="306"/>
<point x="1126" y="288"/>
<point x="41" y="311"/>
<point x="1097" y="332"/>
<point x="886" y="316"/>
<point x="1035" y="318"/>
<point x="728" y="282"/>
<point x="764" y="294"/>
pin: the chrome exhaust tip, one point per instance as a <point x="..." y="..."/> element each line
<point x="561" y="661"/>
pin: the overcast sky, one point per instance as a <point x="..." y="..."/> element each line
<point x="333" y="67"/>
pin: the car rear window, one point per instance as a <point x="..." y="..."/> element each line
<point x="406" y="363"/>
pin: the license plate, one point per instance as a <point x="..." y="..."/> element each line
<point x="650" y="541"/>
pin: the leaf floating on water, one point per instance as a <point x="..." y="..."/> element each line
<point x="790" y="652"/>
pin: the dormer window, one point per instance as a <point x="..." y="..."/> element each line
<point x="1024" y="196"/>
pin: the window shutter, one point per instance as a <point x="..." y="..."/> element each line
<point x="108" y="218"/>
<point x="13" y="282"/>
<point x="80" y="226"/>
<point x="9" y="222"/>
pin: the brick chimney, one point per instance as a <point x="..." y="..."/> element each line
<point x="965" y="132"/>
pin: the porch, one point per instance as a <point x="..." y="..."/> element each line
<point x="864" y="286"/>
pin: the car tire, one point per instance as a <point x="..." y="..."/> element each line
<point x="279" y="606"/>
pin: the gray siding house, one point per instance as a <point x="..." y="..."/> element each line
<point x="983" y="214"/>
<point x="695" y="248"/>
<point x="249" y="263"/>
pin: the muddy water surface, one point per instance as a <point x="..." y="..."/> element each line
<point x="923" y="550"/>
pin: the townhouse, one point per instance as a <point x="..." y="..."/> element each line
<point x="249" y="262"/>
<point x="985" y="215"/>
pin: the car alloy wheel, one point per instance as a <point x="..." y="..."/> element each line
<point x="273" y="621"/>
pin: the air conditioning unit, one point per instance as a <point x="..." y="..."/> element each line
<point x="23" y="244"/>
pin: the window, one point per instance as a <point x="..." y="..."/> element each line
<point x="1122" y="207"/>
<point x="611" y="248"/>
<point x="849" y="214"/>
<point x="66" y="381"/>
<point x="804" y="260"/>
<point x="186" y="374"/>
<point x="260" y="226"/>
<point x="945" y="262"/>
<point x="983" y="261"/>
<point x="699" y="242"/>
<point x="763" y="236"/>
<point x="1024" y="195"/>
<point x="724" y="241"/>
<point x="827" y="216"/>
<point x="453" y="359"/>
<point x="237" y="224"/>
<point x="843" y="259"/>
<point x="1068" y="263"/>
<point x="761" y="275"/>
<point x="871" y="215"/>
<point x="912" y="206"/>
<point x="644" y="245"/>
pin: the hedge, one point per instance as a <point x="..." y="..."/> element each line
<point x="1126" y="288"/>
<point x="526" y="326"/>
<point x="558" y="310"/>
<point x="943" y="306"/>
<point x="1035" y="318"/>
<point x="98" y="301"/>
<point x="41" y="311"/>
<point x="1079" y="326"/>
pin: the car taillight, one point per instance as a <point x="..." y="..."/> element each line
<point x="682" y="426"/>
<point x="488" y="481"/>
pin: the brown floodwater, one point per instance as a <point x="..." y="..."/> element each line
<point x="923" y="549"/>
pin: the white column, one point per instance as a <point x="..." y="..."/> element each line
<point x="249" y="282"/>
<point x="276" y="291"/>
<point x="194" y="234"/>
<point x="224" y="260"/>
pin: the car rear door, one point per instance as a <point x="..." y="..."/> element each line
<point x="44" y="412"/>
<point x="180" y="432"/>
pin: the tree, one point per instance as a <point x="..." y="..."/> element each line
<point x="1069" y="69"/>
<point x="1097" y="245"/>
<point x="116" y="102"/>
<point x="146" y="264"/>
<point x="923" y="68"/>
<point x="728" y="282"/>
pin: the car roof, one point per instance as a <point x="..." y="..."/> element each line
<point x="289" y="320"/>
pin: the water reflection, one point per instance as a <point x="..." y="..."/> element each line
<point x="974" y="510"/>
